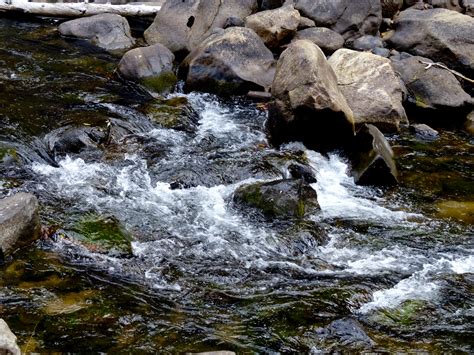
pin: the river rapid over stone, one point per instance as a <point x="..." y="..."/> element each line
<point x="395" y="274"/>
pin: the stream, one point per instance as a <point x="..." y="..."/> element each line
<point x="193" y="271"/>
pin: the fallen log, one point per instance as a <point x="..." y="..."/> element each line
<point x="76" y="9"/>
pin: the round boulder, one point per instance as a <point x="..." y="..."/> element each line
<point x="328" y="40"/>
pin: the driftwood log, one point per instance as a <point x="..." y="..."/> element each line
<point x="76" y="9"/>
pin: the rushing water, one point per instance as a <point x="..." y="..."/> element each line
<point x="203" y="274"/>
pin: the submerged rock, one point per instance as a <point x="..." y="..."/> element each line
<point x="19" y="222"/>
<point x="230" y="62"/>
<point x="288" y="198"/>
<point x="308" y="106"/>
<point x="439" y="34"/>
<point x="183" y="25"/>
<point x="372" y="158"/>
<point x="347" y="17"/>
<point x="345" y="332"/>
<point x="434" y="94"/>
<point x="108" y="31"/>
<point x="371" y="87"/>
<point x="8" y="345"/>
<point x="152" y="66"/>
<point x="300" y="171"/>
<point x="275" y="27"/>
<point x="328" y="40"/>
<point x="424" y="131"/>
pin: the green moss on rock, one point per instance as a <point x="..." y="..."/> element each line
<point x="162" y="83"/>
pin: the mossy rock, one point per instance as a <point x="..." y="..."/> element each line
<point x="174" y="113"/>
<point x="462" y="211"/>
<point x="103" y="234"/>
<point x="160" y="84"/>
<point x="408" y="313"/>
<point x="288" y="198"/>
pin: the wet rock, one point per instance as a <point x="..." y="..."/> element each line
<point x="8" y="345"/>
<point x="367" y="43"/>
<point x="462" y="211"/>
<point x="439" y="34"/>
<point x="391" y="7"/>
<point x="371" y="88"/>
<point x="309" y="106"/>
<point x="424" y="131"/>
<point x="300" y="171"/>
<point x="183" y="25"/>
<point x="234" y="22"/>
<point x="231" y="61"/>
<point x="175" y="113"/>
<point x="108" y="31"/>
<point x="275" y="27"/>
<point x="73" y="139"/>
<point x="288" y="198"/>
<point x="306" y="23"/>
<point x="19" y="222"/>
<point x="345" y="332"/>
<point x="152" y="66"/>
<point x="328" y="40"/>
<point x="372" y="158"/>
<point x="304" y="237"/>
<point x="347" y="17"/>
<point x="434" y="94"/>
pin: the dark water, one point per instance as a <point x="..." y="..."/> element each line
<point x="201" y="274"/>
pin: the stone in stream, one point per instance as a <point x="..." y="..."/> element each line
<point x="275" y="27"/>
<point x="300" y="171"/>
<point x="328" y="40"/>
<point x="231" y="61"/>
<point x="289" y="198"/>
<point x="19" y="222"/>
<point x="434" y="95"/>
<point x="183" y="25"/>
<point x="424" y="131"/>
<point x="439" y="34"/>
<point x="108" y="31"/>
<point x="309" y="106"/>
<point x="344" y="332"/>
<point x="152" y="66"/>
<point x="372" y="158"/>
<point x="347" y="17"/>
<point x="371" y="87"/>
<point x="8" y="345"/>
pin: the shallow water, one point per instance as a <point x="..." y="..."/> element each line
<point x="204" y="274"/>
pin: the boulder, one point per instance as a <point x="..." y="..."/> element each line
<point x="308" y="106"/>
<point x="19" y="222"/>
<point x="275" y="27"/>
<point x="300" y="171"/>
<point x="108" y="31"/>
<point x="391" y="7"/>
<point x="439" y="34"/>
<point x="347" y="17"/>
<point x="372" y="158"/>
<point x="231" y="61"/>
<point x="371" y="87"/>
<point x="328" y="40"/>
<point x="73" y="139"/>
<point x="305" y="23"/>
<point x="290" y="198"/>
<point x="8" y="343"/>
<point x="152" y="66"/>
<point x="367" y="43"/>
<point x="183" y="25"/>
<point x="424" y="132"/>
<point x="434" y="94"/>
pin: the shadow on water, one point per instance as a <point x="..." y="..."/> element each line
<point x="110" y="165"/>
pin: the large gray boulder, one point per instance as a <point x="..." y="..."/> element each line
<point x="372" y="158"/>
<point x="328" y="40"/>
<point x="289" y="198"/>
<point x="347" y="17"/>
<point x="433" y="93"/>
<point x="371" y="87"/>
<point x="183" y="25"/>
<point x="309" y="105"/>
<point x="439" y="34"/>
<point x="19" y="222"/>
<point x="8" y="345"/>
<point x="153" y="66"/>
<point x="275" y="27"/>
<point x="108" y="31"/>
<point x="231" y="61"/>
